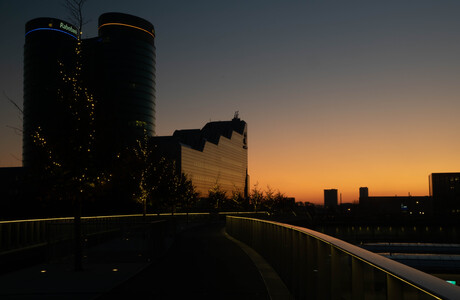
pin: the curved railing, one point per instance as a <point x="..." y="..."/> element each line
<point x="19" y="234"/>
<point x="317" y="266"/>
<point x="27" y="242"/>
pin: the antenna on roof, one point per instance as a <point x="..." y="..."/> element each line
<point x="236" y="115"/>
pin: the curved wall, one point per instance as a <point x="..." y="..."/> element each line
<point x="126" y="58"/>
<point x="48" y="41"/>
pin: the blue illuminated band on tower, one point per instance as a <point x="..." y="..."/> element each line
<point x="51" y="24"/>
<point x="54" y="29"/>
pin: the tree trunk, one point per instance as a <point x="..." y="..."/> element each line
<point x="78" y="264"/>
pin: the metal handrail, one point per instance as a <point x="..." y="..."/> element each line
<point x="18" y="234"/>
<point x="292" y="251"/>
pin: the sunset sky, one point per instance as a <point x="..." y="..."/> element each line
<point x="337" y="94"/>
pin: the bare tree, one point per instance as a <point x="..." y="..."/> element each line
<point x="71" y="164"/>
<point x="171" y="187"/>
<point x="256" y="197"/>
<point x="216" y="197"/>
<point x="144" y="154"/>
<point x="17" y="130"/>
<point x="237" y="199"/>
<point x="75" y="9"/>
<point x="269" y="199"/>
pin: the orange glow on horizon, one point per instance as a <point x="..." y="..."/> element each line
<point x="389" y="162"/>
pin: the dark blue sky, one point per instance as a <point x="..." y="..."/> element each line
<point x="337" y="94"/>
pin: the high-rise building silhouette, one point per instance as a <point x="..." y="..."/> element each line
<point x="330" y="198"/>
<point x="48" y="42"/>
<point x="363" y="193"/>
<point x="118" y="69"/>
<point x="445" y="191"/>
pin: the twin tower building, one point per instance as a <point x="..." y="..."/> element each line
<point x="119" y="71"/>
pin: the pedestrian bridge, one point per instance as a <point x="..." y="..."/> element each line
<point x="318" y="266"/>
<point x="312" y="265"/>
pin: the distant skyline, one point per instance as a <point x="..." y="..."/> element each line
<point x="336" y="94"/>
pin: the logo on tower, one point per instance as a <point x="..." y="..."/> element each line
<point x="67" y="28"/>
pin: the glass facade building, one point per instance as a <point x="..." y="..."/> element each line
<point x="125" y="63"/>
<point x="118" y="69"/>
<point x="217" y="154"/>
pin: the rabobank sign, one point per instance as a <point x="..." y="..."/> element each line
<point x="67" y="28"/>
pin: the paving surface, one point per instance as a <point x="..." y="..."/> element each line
<point x="202" y="264"/>
<point x="104" y="266"/>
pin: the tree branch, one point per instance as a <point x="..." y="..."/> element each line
<point x="14" y="103"/>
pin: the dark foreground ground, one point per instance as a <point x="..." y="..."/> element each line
<point x="201" y="264"/>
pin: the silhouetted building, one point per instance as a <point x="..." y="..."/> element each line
<point x="47" y="43"/>
<point x="363" y="193"/>
<point x="445" y="191"/>
<point x="287" y="204"/>
<point x="330" y="199"/>
<point x="125" y="83"/>
<point x="415" y="206"/>
<point x="217" y="154"/>
<point x="118" y="69"/>
<point x="11" y="188"/>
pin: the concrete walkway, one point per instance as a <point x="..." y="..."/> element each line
<point x="202" y="263"/>
<point x="104" y="266"/>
